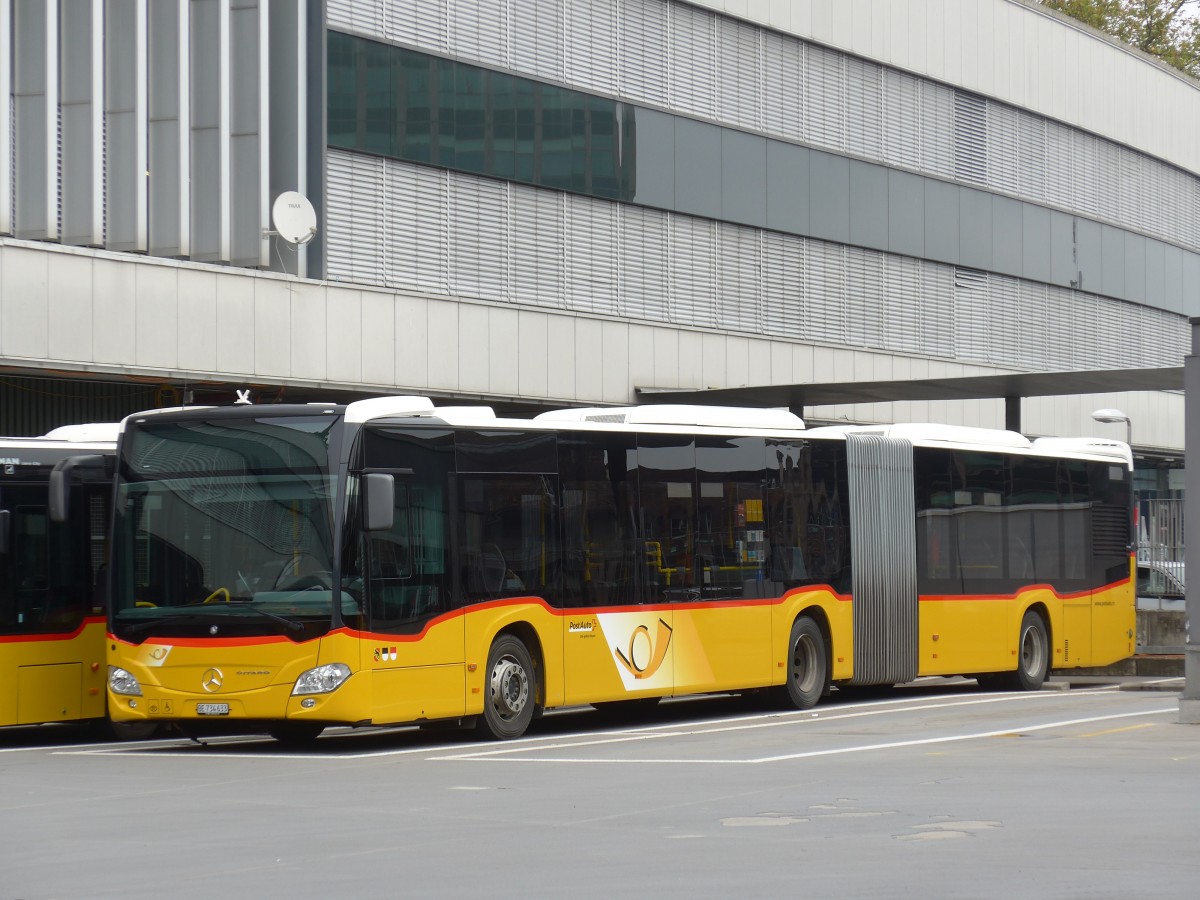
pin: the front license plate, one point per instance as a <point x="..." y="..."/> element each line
<point x="212" y="709"/>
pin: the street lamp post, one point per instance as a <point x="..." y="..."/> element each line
<point x="1112" y="417"/>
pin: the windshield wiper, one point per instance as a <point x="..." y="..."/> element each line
<point x="290" y="624"/>
<point x="150" y="624"/>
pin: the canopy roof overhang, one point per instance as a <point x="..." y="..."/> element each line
<point x="1010" y="387"/>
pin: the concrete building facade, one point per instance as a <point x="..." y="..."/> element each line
<point x="557" y="202"/>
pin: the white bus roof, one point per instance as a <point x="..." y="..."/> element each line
<point x="92" y="433"/>
<point x="680" y="415"/>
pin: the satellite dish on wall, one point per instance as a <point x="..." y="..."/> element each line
<point x="294" y="218"/>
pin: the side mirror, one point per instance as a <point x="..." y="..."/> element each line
<point x="60" y="483"/>
<point x="379" y="491"/>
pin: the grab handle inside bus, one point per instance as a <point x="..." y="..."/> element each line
<point x="3" y="532"/>
<point x="379" y="489"/>
<point x="60" y="482"/>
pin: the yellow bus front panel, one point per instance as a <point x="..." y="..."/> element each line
<point x="53" y="678"/>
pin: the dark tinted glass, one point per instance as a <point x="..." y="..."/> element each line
<point x="731" y="537"/>
<point x="666" y="475"/>
<point x="407" y="570"/>
<point x="603" y="558"/>
<point x="506" y="451"/>
<point x="407" y="105"/>
<point x="49" y="570"/>
<point x="509" y="536"/>
<point x="807" y="516"/>
<point x="990" y="524"/>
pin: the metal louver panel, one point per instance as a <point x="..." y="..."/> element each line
<point x="591" y="38"/>
<point x="785" y="283"/>
<point x="642" y="49"/>
<point x="970" y="313"/>
<point x="692" y="250"/>
<point x="355" y="231"/>
<point x="824" y="97"/>
<point x="367" y="17"/>
<point x="739" y="279"/>
<point x="827" y="293"/>
<point x="478" y="30"/>
<point x="644" y="284"/>
<point x="937" y="129"/>
<point x="1033" y="314"/>
<point x="591" y="280"/>
<point x="739" y="78"/>
<point x="1031" y="157"/>
<point x="867" y="309"/>
<point x="1003" y="143"/>
<point x="864" y="105"/>
<point x="883" y="548"/>
<point x="538" y="251"/>
<point x="412" y="227"/>
<point x="692" y="60"/>
<point x="1003" y="330"/>
<point x="479" y="239"/>
<point x="537" y="38"/>
<point x="1083" y="173"/>
<point x="902" y="304"/>
<point x="420" y="22"/>
<point x="782" y="92"/>
<point x="418" y="235"/>
<point x="902" y="119"/>
<point x="970" y="137"/>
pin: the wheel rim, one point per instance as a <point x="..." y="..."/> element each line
<point x="1033" y="651"/>
<point x="804" y="665"/>
<point x="509" y="689"/>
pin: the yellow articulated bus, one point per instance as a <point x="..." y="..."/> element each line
<point x="52" y="622"/>
<point x="288" y="568"/>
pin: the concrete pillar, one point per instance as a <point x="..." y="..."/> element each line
<point x="1189" y="701"/>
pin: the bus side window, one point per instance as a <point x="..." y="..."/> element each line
<point x="406" y="565"/>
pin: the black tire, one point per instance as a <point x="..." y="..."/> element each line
<point x="637" y="708"/>
<point x="295" y="734"/>
<point x="1033" y="659"/>
<point x="510" y="692"/>
<point x="1033" y="654"/>
<point x="107" y="730"/>
<point x="807" y="665"/>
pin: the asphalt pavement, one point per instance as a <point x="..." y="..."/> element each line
<point x="1089" y="788"/>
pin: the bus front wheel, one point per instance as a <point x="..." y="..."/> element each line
<point x="807" y="664"/>
<point x="510" y="694"/>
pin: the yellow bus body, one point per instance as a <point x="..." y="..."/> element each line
<point x="54" y="677"/>
<point x="587" y="656"/>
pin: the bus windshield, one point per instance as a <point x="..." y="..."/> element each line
<point x="224" y="527"/>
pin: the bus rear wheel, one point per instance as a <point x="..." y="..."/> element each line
<point x="510" y="695"/>
<point x="1033" y="659"/>
<point x="807" y="664"/>
<point x="1033" y="654"/>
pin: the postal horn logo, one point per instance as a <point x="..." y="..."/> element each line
<point x="646" y="653"/>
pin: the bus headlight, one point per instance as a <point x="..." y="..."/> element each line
<point x="321" y="680"/>
<point x="122" y="682"/>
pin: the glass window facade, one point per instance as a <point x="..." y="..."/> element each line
<point x="407" y="105"/>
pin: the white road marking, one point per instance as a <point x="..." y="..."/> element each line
<point x="539" y="744"/>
